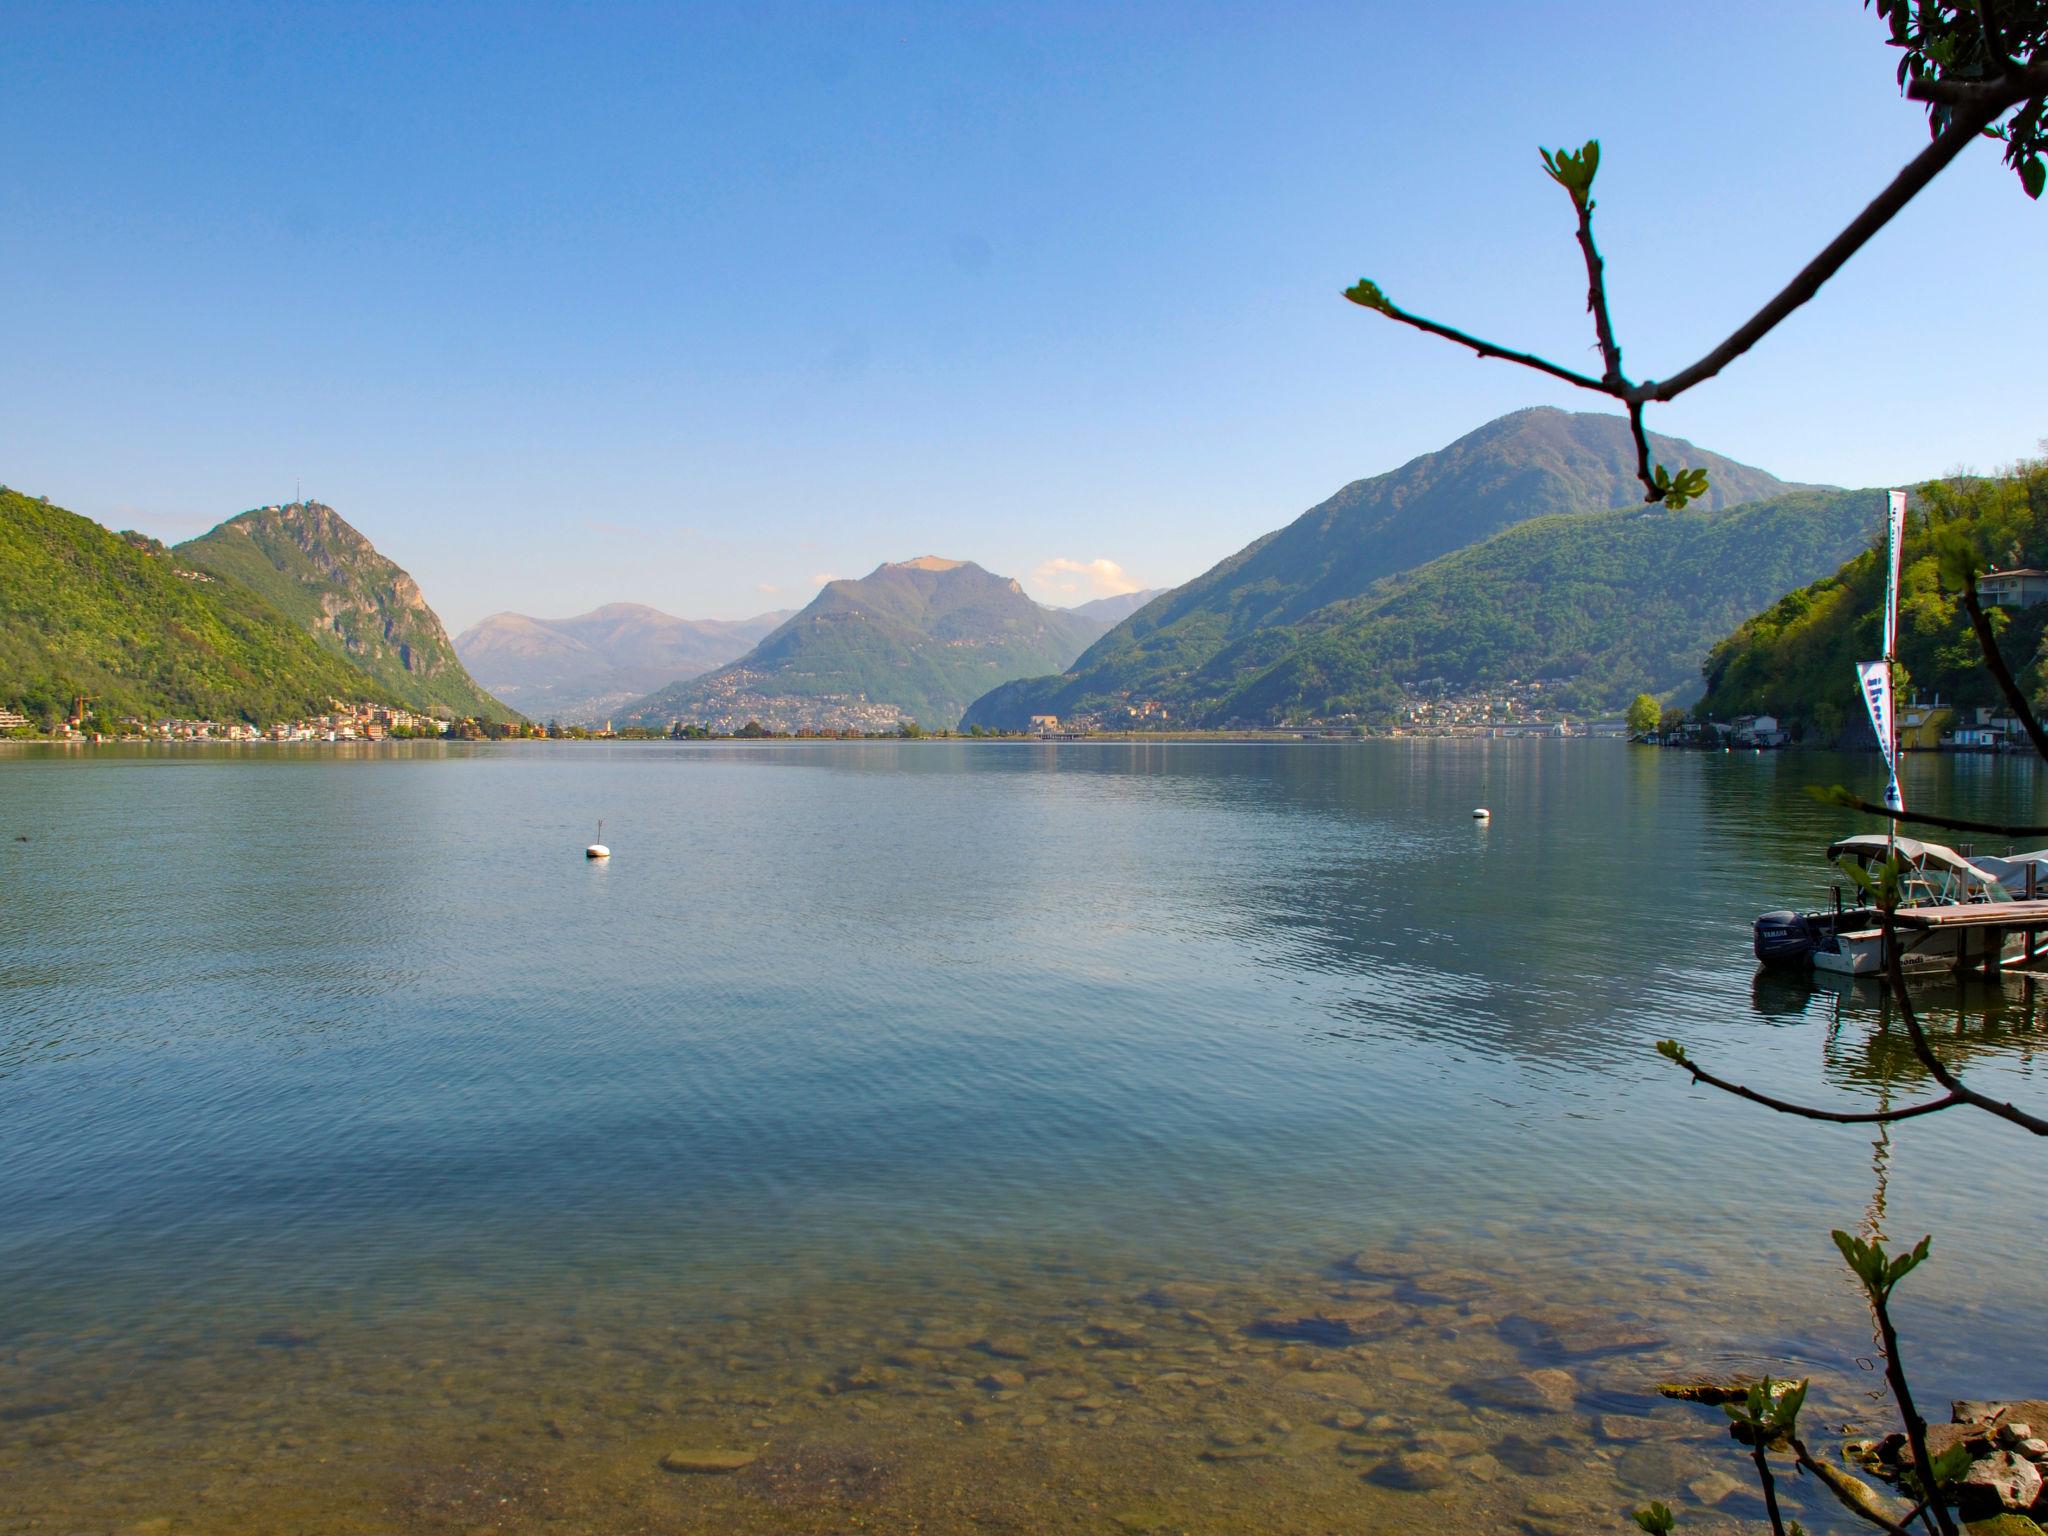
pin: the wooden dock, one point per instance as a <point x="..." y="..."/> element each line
<point x="1992" y="920"/>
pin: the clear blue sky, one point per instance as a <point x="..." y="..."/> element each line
<point x="693" y="305"/>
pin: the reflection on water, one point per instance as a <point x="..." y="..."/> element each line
<point x="1148" y="1137"/>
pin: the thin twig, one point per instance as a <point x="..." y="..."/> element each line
<point x="1852" y="1493"/>
<point x="1929" y="819"/>
<point x="1916" y="1427"/>
<point x="1635" y="427"/>
<point x="1923" y="1048"/>
<point x="1994" y="661"/>
<point x="1763" y="1475"/>
<point x="1394" y="311"/>
<point x="1596" y="298"/>
<point x="1810" y="1112"/>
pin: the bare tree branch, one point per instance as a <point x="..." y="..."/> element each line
<point x="1651" y="490"/>
<point x="1994" y="661"/>
<point x="1851" y="1493"/>
<point x="2019" y="83"/>
<point x="1596" y="299"/>
<point x="1923" y="1048"/>
<point x="1919" y="171"/>
<point x="1810" y="1112"/>
<point x="1394" y="311"/>
<point x="1851" y="802"/>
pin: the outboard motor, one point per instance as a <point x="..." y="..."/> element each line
<point x="1784" y="938"/>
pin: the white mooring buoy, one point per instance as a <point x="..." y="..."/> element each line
<point x="1481" y="813"/>
<point x="597" y="850"/>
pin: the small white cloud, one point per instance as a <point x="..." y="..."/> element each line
<point x="767" y="589"/>
<point x="1083" y="579"/>
<point x="822" y="577"/>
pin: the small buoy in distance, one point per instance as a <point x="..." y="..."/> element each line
<point x="597" y="850"/>
<point x="1481" y="813"/>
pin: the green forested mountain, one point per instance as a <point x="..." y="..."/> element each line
<point x="1234" y="645"/>
<point x="916" y="640"/>
<point x="334" y="584"/>
<point x="120" y="618"/>
<point x="1796" y="659"/>
<point x="1610" y="603"/>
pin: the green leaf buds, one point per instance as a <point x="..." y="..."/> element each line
<point x="1366" y="294"/>
<point x="1768" y="1414"/>
<point x="1574" y="171"/>
<point x="1656" y="1518"/>
<point x="1878" y="1272"/>
<point x="1676" y="490"/>
<point x="1671" y="1050"/>
<point x="1950" y="1465"/>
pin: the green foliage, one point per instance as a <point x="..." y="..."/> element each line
<point x="1879" y="883"/>
<point x="1796" y="658"/>
<point x="1442" y="569"/>
<point x="323" y="574"/>
<point x="1366" y="294"/>
<point x="1655" y="1518"/>
<point x="1878" y="1272"/>
<point x="1679" y="489"/>
<point x="122" y="620"/>
<point x="1671" y="1050"/>
<point x="1766" y="1417"/>
<point x="1574" y="170"/>
<point x="1950" y="40"/>
<point x="1644" y="713"/>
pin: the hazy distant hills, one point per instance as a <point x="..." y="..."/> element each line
<point x="581" y="670"/>
<point x="1114" y="610"/>
<point x="1304" y="622"/>
<point x="913" y="640"/>
<point x="331" y="581"/>
<point x="147" y="631"/>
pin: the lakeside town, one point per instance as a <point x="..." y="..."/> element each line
<point x="1515" y="710"/>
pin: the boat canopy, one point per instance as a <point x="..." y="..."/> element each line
<point x="1938" y="874"/>
<point x="2012" y="872"/>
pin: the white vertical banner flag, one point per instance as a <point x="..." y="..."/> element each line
<point x="1895" y="540"/>
<point x="1875" y="678"/>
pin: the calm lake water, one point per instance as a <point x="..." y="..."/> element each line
<point x="1013" y="1137"/>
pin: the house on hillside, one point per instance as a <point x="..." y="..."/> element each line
<point x="1045" y="725"/>
<point x="2019" y="588"/>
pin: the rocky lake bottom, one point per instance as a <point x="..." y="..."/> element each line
<point x="930" y="1138"/>
<point x="1385" y="1390"/>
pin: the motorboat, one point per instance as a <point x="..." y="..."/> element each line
<point x="1948" y="915"/>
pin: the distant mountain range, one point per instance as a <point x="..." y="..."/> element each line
<point x="331" y="581"/>
<point x="914" y="640"/>
<point x="581" y="670"/>
<point x="1462" y="568"/>
<point x="1114" y="610"/>
<point x="1521" y="552"/>
<point x="271" y="616"/>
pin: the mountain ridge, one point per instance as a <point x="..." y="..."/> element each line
<point x="313" y="566"/>
<point x="123" y="619"/>
<point x="914" y="639"/>
<point x="1203" y="645"/>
